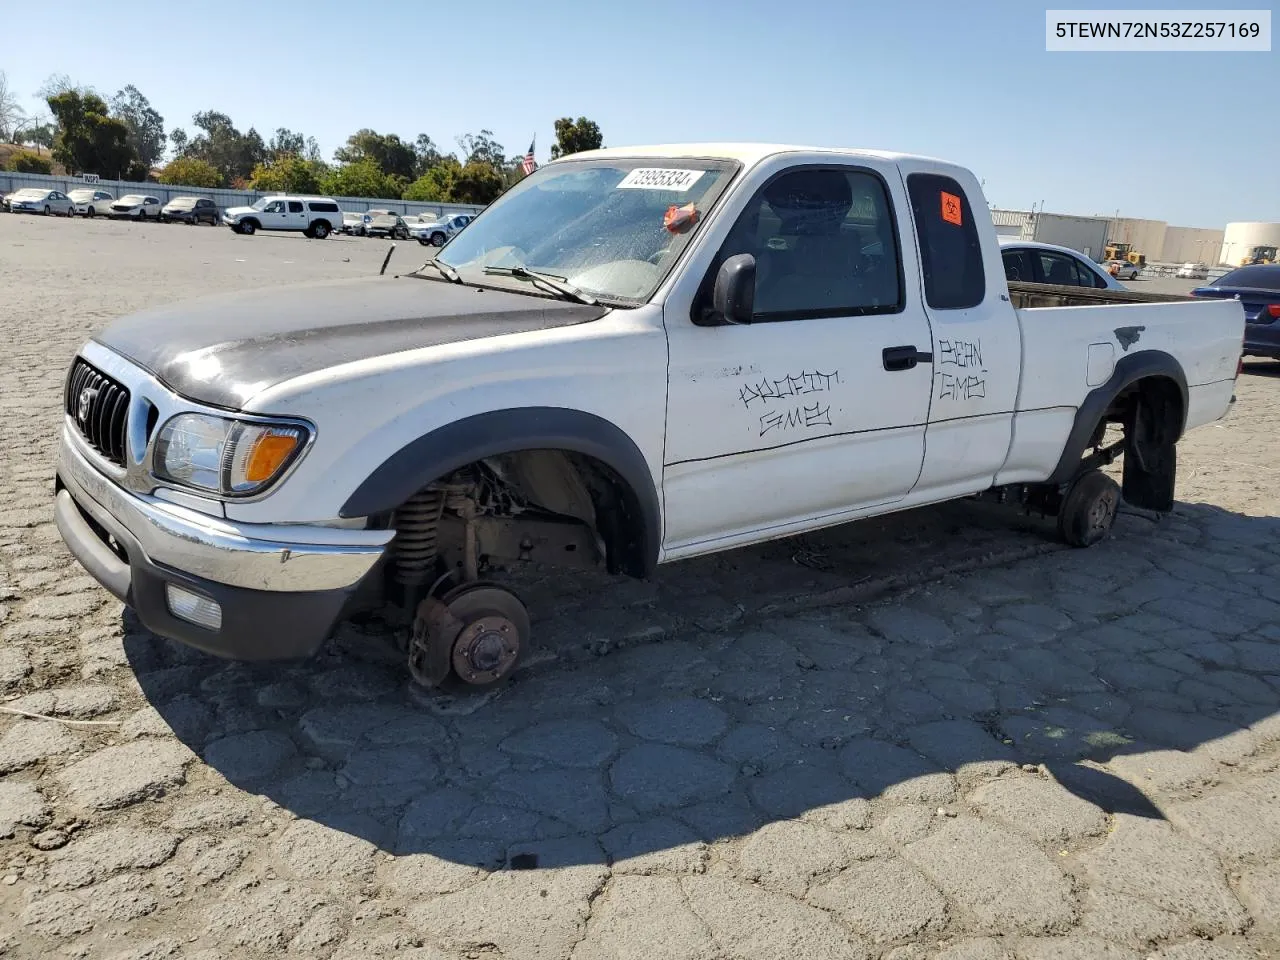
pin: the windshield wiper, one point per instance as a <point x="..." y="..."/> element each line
<point x="548" y="280"/>
<point x="447" y="271"/>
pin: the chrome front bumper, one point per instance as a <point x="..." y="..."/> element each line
<point x="266" y="557"/>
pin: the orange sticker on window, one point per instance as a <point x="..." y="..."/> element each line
<point x="951" y="209"/>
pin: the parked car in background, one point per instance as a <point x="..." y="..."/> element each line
<point x="91" y="201"/>
<point x="439" y="231"/>
<point x="1193" y="271"/>
<point x="353" y="224"/>
<point x="313" y="217"/>
<point x="191" y="210"/>
<point x="1257" y="287"/>
<point x="39" y="200"/>
<point x="136" y="206"/>
<point x="1123" y="269"/>
<point x="1030" y="261"/>
<point x="385" y="223"/>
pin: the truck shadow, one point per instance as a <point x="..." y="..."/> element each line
<point x="730" y="693"/>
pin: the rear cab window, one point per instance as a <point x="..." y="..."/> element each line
<point x="950" y="247"/>
<point x="295" y="206"/>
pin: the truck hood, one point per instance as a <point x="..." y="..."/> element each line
<point x="224" y="350"/>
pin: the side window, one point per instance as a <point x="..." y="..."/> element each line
<point x="950" y="250"/>
<point x="1089" y="277"/>
<point x="295" y="206"/>
<point x="825" y="245"/>
<point x="1018" y="266"/>
<point x="1061" y="270"/>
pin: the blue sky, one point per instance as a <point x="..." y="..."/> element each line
<point x="1189" y="138"/>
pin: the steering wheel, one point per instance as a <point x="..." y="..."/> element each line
<point x="657" y="255"/>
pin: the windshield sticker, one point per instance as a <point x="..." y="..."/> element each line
<point x="678" y="219"/>
<point x="656" y="178"/>
<point x="951" y="209"/>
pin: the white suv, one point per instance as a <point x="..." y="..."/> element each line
<point x="316" y="217"/>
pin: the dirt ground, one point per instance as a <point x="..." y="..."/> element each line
<point x="934" y="735"/>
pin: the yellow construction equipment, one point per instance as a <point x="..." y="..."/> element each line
<point x="1260" y="255"/>
<point x="1124" y="251"/>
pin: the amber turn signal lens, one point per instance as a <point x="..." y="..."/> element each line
<point x="268" y="453"/>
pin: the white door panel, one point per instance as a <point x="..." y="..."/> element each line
<point x="795" y="416"/>
<point x="834" y="473"/>
<point x="977" y="344"/>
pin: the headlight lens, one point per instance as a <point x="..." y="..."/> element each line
<point x="232" y="458"/>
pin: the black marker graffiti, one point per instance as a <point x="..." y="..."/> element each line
<point x="803" y="417"/>
<point x="960" y="353"/>
<point x="964" y="355"/>
<point x="800" y="385"/>
<point x="961" y="388"/>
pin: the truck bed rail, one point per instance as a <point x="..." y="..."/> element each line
<point x="1060" y="295"/>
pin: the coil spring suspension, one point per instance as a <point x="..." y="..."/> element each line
<point x="417" y="525"/>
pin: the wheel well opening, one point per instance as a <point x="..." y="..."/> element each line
<point x="550" y="505"/>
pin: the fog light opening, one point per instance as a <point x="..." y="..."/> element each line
<point x="193" y="607"/>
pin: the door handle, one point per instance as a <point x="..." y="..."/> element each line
<point x="904" y="358"/>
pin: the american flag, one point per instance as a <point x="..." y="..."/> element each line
<point x="528" y="164"/>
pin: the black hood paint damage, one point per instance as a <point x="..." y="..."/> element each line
<point x="225" y="349"/>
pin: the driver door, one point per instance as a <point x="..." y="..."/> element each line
<point x="806" y="415"/>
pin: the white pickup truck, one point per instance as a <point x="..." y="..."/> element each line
<point x="634" y="356"/>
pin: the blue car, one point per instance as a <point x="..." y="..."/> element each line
<point x="1258" y="289"/>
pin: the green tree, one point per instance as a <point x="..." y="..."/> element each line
<point x="146" y="126"/>
<point x="191" y="172"/>
<point x="482" y="148"/>
<point x="427" y="154"/>
<point x="178" y="137"/>
<point x="392" y="155"/>
<point x="286" y="142"/>
<point x="232" y="153"/>
<point x="88" y="140"/>
<point x="436" y="184"/>
<point x="478" y="182"/>
<point x="574" y="136"/>
<point x="289" y="173"/>
<point x="24" y="161"/>
<point x="362" y="178"/>
<point x="38" y="132"/>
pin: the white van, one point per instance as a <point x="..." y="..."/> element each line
<point x="316" y="217"/>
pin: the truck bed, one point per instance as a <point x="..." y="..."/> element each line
<point x="1073" y="339"/>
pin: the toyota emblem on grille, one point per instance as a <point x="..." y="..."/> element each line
<point x="84" y="404"/>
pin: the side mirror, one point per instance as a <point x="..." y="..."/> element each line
<point x="733" y="299"/>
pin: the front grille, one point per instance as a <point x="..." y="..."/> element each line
<point x="99" y="406"/>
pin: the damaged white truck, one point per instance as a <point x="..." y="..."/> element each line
<point x="634" y="356"/>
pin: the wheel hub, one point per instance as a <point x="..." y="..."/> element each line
<point x="486" y="649"/>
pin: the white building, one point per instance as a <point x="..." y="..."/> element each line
<point x="1239" y="239"/>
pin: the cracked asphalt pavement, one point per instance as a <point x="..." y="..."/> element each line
<point x="934" y="736"/>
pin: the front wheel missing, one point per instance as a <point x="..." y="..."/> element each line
<point x="475" y="634"/>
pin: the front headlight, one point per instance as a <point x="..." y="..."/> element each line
<point x="232" y="458"/>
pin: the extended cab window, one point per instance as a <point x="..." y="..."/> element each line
<point x="295" y="206"/>
<point x="950" y="251"/>
<point x="824" y="244"/>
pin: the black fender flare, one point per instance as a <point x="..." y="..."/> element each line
<point x="445" y="449"/>
<point x="1129" y="370"/>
